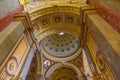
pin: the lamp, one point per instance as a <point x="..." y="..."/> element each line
<point x="61" y="33"/>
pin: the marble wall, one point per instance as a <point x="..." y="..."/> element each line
<point x="7" y="10"/>
<point x="7" y="6"/>
<point x="109" y="11"/>
<point x="107" y="39"/>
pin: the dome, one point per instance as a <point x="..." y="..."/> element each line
<point x="60" y="45"/>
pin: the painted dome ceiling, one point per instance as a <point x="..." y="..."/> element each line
<point x="60" y="45"/>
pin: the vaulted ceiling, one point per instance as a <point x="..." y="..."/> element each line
<point x="49" y="22"/>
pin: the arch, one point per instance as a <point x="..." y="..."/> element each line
<point x="61" y="59"/>
<point x="46" y="33"/>
<point x="47" y="9"/>
<point x="59" y="65"/>
<point x="46" y="25"/>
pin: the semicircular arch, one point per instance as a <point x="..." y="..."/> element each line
<point x="63" y="64"/>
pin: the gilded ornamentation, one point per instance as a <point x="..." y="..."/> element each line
<point x="40" y="12"/>
<point x="79" y="62"/>
<point x="45" y="21"/>
<point x="16" y="78"/>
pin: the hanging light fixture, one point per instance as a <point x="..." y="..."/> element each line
<point x="61" y="33"/>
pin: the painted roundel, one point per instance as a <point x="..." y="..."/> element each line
<point x="100" y="60"/>
<point x="46" y="63"/>
<point x="12" y="66"/>
<point x="60" y="45"/>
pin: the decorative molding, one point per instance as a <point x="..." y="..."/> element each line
<point x="16" y="58"/>
<point x="103" y="69"/>
<point x="36" y="13"/>
<point x="83" y="11"/>
<point x="25" y="18"/>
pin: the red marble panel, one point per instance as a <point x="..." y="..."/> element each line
<point x="6" y="20"/>
<point x="109" y="15"/>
